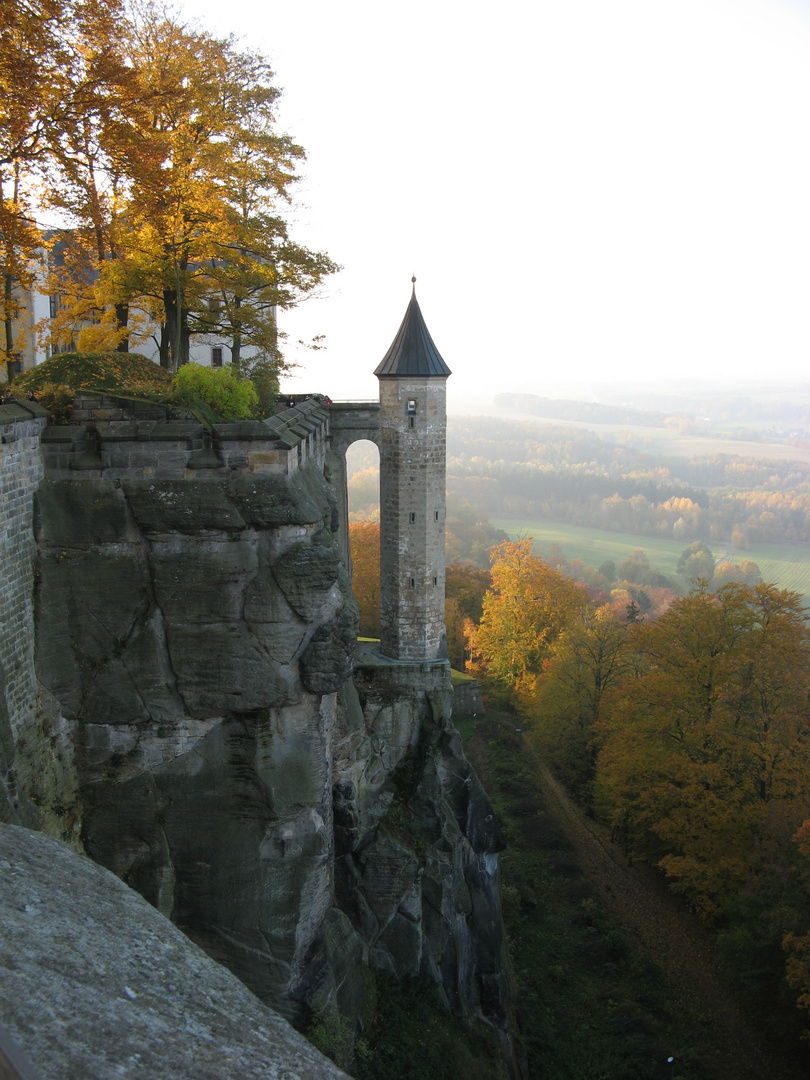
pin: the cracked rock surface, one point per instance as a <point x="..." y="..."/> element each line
<point x="195" y="640"/>
<point x="194" y="635"/>
<point x="95" y="983"/>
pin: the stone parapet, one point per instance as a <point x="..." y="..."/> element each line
<point x="116" y="439"/>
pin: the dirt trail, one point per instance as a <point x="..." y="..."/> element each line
<point x="637" y="897"/>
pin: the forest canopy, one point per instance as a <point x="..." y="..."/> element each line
<point x="688" y="734"/>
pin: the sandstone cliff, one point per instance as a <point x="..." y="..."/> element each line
<point x="194" y="643"/>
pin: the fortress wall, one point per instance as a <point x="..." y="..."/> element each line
<point x="115" y="439"/>
<point x="112" y="440"/>
<point x="21" y="472"/>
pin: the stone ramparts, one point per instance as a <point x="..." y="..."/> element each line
<point x="21" y="472"/>
<point x="117" y="439"/>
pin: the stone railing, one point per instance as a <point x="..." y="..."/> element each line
<point x="117" y="439"/>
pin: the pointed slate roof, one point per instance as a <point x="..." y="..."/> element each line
<point x="412" y="351"/>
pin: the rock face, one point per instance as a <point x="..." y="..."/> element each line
<point x="95" y="983"/>
<point x="196" y="640"/>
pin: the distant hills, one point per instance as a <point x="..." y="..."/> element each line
<point x="582" y="411"/>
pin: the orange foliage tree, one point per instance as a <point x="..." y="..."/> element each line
<point x="589" y="658"/>
<point x="465" y="587"/>
<point x="522" y="615"/>
<point x="364" y="541"/>
<point x="710" y="735"/>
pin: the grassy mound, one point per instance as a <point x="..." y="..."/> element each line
<point x="56" y="382"/>
<point x="211" y="395"/>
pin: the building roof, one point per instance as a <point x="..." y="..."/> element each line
<point x="412" y="351"/>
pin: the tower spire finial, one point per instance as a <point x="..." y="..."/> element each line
<point x="413" y="280"/>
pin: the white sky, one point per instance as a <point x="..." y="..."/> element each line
<point x="586" y="190"/>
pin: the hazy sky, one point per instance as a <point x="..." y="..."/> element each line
<point x="586" y="190"/>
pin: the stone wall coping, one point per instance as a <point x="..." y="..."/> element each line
<point x="114" y="438"/>
<point x="16" y="411"/>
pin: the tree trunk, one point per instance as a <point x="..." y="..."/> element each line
<point x="236" y="343"/>
<point x="121" y="320"/>
<point x="9" y="327"/>
<point x="185" y="337"/>
<point x="165" y="361"/>
<point x="8" y="284"/>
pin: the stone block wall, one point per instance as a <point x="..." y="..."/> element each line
<point x="21" y="472"/>
<point x="467" y="699"/>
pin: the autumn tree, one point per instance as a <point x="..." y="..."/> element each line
<point x="744" y="571"/>
<point x="696" y="561"/>
<point x="589" y="658"/>
<point x="523" y="614"/>
<point x="174" y="179"/>
<point x="465" y="587"/>
<point x="710" y="735"/>
<point x="34" y="102"/>
<point x="364" y="494"/>
<point x="364" y="541"/>
<point x="91" y="154"/>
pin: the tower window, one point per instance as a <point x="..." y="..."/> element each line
<point x="413" y="518"/>
<point x="435" y="581"/>
<point x="411" y="405"/>
<point x="410" y="418"/>
<point x="435" y="515"/>
<point x="413" y="583"/>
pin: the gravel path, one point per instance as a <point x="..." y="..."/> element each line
<point x="637" y="897"/>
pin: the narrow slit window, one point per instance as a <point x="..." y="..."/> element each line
<point x="413" y="583"/>
<point x="435" y="581"/>
<point x="411" y="421"/>
<point x="413" y="519"/>
<point x="435" y="515"/>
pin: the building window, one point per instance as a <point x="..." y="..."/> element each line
<point x="410" y="419"/>
<point x="435" y="581"/>
<point x="411" y="405"/>
<point x="435" y="515"/>
<point x="413" y="583"/>
<point x="413" y="519"/>
<point x="216" y="356"/>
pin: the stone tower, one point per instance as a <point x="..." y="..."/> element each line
<point x="413" y="421"/>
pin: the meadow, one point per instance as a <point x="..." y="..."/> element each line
<point x="786" y="565"/>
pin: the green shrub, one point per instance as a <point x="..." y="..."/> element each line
<point x="262" y="371"/>
<point x="230" y="396"/>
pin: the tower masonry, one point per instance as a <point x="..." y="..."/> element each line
<point x="413" y="422"/>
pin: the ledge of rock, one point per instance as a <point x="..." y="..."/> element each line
<point x="95" y="983"/>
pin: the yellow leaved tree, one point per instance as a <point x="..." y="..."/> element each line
<point x="523" y="614"/>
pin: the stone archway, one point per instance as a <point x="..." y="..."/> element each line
<point x="349" y="422"/>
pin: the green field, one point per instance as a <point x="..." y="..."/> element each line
<point x="786" y="565"/>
